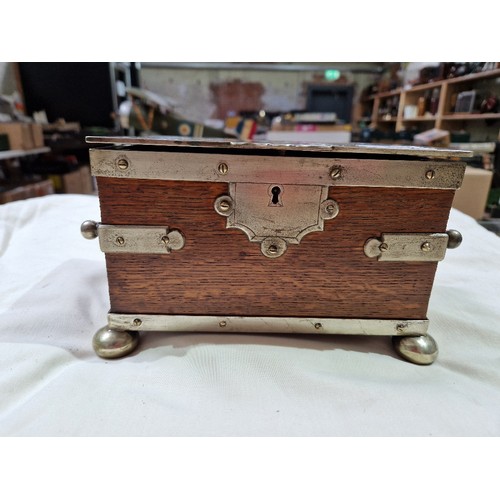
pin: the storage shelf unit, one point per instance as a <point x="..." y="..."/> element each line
<point x="13" y="184"/>
<point x="477" y="116"/>
<point x="420" y="119"/>
<point x="388" y="107"/>
<point x="18" y="153"/>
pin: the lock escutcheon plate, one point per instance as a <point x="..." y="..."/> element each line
<point x="276" y="215"/>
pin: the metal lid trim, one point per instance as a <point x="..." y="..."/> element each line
<point x="356" y="148"/>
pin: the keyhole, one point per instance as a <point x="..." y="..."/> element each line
<point x="275" y="191"/>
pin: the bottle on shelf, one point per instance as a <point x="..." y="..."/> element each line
<point x="421" y="106"/>
<point x="434" y="103"/>
<point x="427" y="101"/>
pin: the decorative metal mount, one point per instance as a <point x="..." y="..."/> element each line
<point x="133" y="239"/>
<point x="276" y="215"/>
<point x="304" y="170"/>
<point x="266" y="324"/>
<point x="121" y="335"/>
<point x="412" y="247"/>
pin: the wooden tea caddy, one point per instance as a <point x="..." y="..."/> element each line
<point x="224" y="236"/>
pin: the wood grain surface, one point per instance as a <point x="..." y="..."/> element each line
<point x="220" y="272"/>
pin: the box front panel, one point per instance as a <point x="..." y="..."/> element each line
<point x="220" y="272"/>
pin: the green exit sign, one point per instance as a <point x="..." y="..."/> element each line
<point x="332" y="74"/>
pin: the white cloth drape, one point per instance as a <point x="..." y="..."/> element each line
<point x="53" y="297"/>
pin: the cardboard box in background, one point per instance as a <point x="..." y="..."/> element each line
<point x="77" y="182"/>
<point x="87" y="180"/>
<point x="321" y="136"/>
<point x="20" y="134"/>
<point x="32" y="190"/>
<point x="37" y="133"/>
<point x="4" y="142"/>
<point x="472" y="197"/>
<point x="433" y="137"/>
<point x="23" y="136"/>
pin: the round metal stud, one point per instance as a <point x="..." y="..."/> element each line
<point x="223" y="168"/>
<point x="336" y="172"/>
<point x="120" y="241"/>
<point x="426" y="247"/>
<point x="329" y="209"/>
<point x="122" y="163"/>
<point x="373" y="248"/>
<point x="430" y="174"/>
<point x="111" y="344"/>
<point x="273" y="247"/>
<point x="454" y="238"/>
<point x="89" y="229"/>
<point x="175" y="240"/>
<point x="224" y="205"/>
<point x="420" y="349"/>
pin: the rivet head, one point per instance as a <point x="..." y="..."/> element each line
<point x="454" y="238"/>
<point x="120" y="241"/>
<point x="273" y="247"/>
<point x="430" y="174"/>
<point x="383" y="247"/>
<point x="335" y="172"/>
<point x="426" y="247"/>
<point x="223" y="168"/>
<point x="329" y="209"/>
<point x="122" y="164"/>
<point x="224" y="205"/>
<point x="137" y="322"/>
<point x="222" y="324"/>
<point x="318" y="326"/>
<point x="165" y="240"/>
<point x="89" y="229"/>
<point x="401" y="327"/>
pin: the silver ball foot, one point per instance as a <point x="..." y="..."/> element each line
<point x="420" y="349"/>
<point x="110" y="343"/>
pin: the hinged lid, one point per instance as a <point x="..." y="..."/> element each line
<point x="269" y="148"/>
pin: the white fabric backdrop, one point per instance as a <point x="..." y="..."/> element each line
<point x="53" y="297"/>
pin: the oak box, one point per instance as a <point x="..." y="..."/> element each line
<point x="221" y="236"/>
